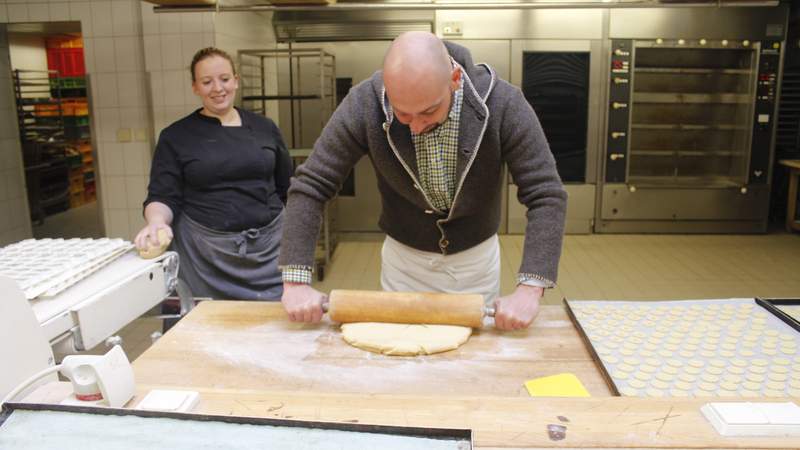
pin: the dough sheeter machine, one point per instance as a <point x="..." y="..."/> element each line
<point x="82" y="291"/>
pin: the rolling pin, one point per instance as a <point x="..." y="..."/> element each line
<point x="407" y="307"/>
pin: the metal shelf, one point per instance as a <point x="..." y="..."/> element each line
<point x="675" y="152"/>
<point x="687" y="126"/>
<point x="310" y="86"/>
<point x="691" y="98"/>
<point x="695" y="71"/>
<point x="711" y="181"/>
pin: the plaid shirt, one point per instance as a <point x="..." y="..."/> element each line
<point x="436" y="156"/>
<point x="437" y="152"/>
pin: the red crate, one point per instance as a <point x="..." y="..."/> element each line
<point x="67" y="61"/>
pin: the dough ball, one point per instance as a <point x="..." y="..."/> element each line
<point x="155" y="251"/>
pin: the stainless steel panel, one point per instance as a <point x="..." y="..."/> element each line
<point x="324" y="26"/>
<point x="711" y="23"/>
<point x="673" y="204"/>
<point x="682" y="227"/>
<point x="580" y="210"/>
<point x="495" y="52"/>
<point x="524" y="24"/>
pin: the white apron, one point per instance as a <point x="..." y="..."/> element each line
<point x="473" y="271"/>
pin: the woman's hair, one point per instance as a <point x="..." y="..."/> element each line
<point x="208" y="52"/>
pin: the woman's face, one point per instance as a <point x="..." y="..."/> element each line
<point x="215" y="84"/>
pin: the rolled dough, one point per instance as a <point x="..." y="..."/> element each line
<point x="397" y="339"/>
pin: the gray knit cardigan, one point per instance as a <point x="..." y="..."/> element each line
<point x="497" y="127"/>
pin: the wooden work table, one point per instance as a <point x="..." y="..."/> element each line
<point x="247" y="359"/>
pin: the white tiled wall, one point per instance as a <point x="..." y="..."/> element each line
<point x="170" y="40"/>
<point x="113" y="52"/>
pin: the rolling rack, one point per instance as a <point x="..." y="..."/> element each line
<point x="40" y="116"/>
<point x="309" y="93"/>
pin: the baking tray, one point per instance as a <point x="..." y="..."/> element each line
<point x="44" y="426"/>
<point x="702" y="347"/>
<point x="592" y="351"/>
<point x="773" y="305"/>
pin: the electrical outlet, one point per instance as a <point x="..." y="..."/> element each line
<point x="123" y="134"/>
<point x="140" y="134"/>
<point x="452" y="28"/>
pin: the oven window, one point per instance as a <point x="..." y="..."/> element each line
<point x="691" y="115"/>
<point x="556" y="84"/>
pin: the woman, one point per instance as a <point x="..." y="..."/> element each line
<point x="219" y="177"/>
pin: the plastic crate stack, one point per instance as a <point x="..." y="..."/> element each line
<point x="66" y="56"/>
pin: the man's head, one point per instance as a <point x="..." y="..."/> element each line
<point x="420" y="80"/>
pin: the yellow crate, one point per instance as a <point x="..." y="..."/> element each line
<point x="75" y="108"/>
<point x="45" y="110"/>
<point x="76" y="183"/>
<point x="76" y="199"/>
<point x="64" y="42"/>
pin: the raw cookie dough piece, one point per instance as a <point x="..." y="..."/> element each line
<point x="155" y="251"/>
<point x="397" y="339"/>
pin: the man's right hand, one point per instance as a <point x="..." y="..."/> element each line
<point x="302" y="302"/>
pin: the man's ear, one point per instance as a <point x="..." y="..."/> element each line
<point x="455" y="78"/>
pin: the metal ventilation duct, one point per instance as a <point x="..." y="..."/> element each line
<point x="311" y="26"/>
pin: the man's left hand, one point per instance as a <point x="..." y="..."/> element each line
<point x="517" y="311"/>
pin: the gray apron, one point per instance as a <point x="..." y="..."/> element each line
<point x="230" y="265"/>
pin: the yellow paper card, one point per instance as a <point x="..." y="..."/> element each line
<point x="561" y="385"/>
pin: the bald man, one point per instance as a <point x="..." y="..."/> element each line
<point x="438" y="130"/>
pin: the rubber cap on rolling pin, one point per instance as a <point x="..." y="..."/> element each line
<point x="406" y="307"/>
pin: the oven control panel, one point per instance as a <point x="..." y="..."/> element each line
<point x="619" y="101"/>
<point x="764" y="120"/>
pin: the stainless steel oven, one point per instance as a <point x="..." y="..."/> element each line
<point x="690" y="120"/>
<point x="563" y="82"/>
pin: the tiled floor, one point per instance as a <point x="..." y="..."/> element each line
<point x="81" y="222"/>
<point x="614" y="267"/>
<point x="627" y="266"/>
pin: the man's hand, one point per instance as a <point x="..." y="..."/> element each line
<point x="302" y="302"/>
<point x="517" y="311"/>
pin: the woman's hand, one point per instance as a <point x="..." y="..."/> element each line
<point x="148" y="236"/>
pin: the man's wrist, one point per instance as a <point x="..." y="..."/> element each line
<point x="296" y="274"/>
<point x="530" y="291"/>
<point x="532" y="279"/>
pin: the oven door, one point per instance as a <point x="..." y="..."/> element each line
<point x="563" y="81"/>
